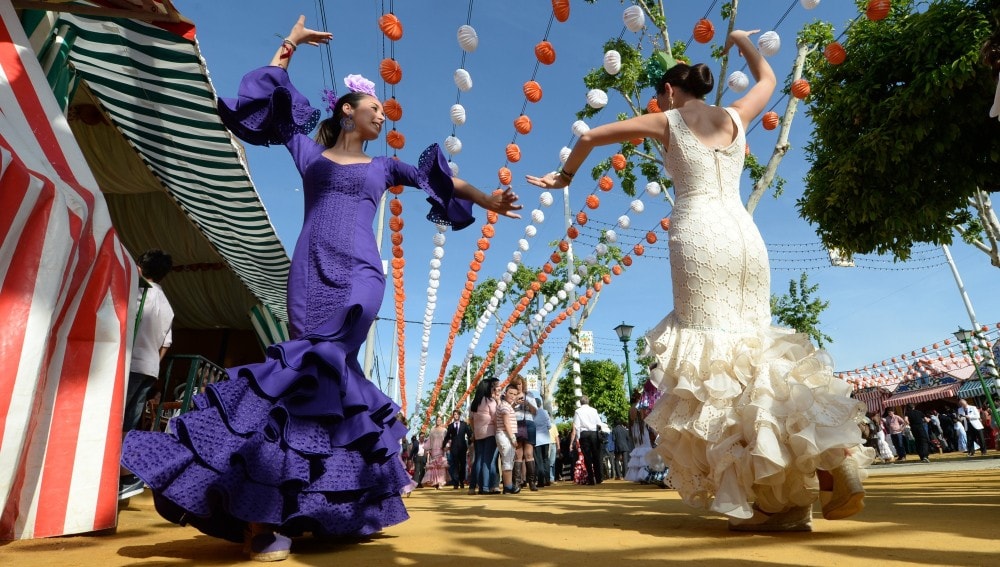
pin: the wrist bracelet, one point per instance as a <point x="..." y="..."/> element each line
<point x="565" y="175"/>
<point x="289" y="43"/>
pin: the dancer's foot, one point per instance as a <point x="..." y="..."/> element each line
<point x="269" y="546"/>
<point x="794" y="519"/>
<point x="841" y="492"/>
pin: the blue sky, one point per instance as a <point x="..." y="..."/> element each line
<point x="875" y="313"/>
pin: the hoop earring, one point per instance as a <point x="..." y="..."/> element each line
<point x="347" y="124"/>
<point x="670" y="103"/>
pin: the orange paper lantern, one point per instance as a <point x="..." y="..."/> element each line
<point x="652" y="106"/>
<point x="396" y="238"/>
<point x="523" y="125"/>
<point x="593" y="202"/>
<point x="396" y="206"/>
<point x="396" y="223"/>
<point x="651" y="237"/>
<point x="581" y="218"/>
<point x="397" y="251"/>
<point x="391" y="27"/>
<point x="393" y="110"/>
<point x="560" y="8"/>
<point x="616" y="270"/>
<point x="627" y="261"/>
<point x="878" y="9"/>
<point x="483" y="244"/>
<point x="665" y="223"/>
<point x="478" y="256"/>
<point x="639" y="249"/>
<point x="396" y="189"/>
<point x="563" y="246"/>
<point x="475" y="266"/>
<point x="835" y="53"/>
<point x="513" y="153"/>
<point x="545" y="53"/>
<point x="606" y="278"/>
<point x="704" y="31"/>
<point x="605" y="183"/>
<point x="390" y="71"/>
<point x="637" y="141"/>
<point x="572" y="232"/>
<point x="532" y="91"/>
<point x="491" y="217"/>
<point x="770" y="120"/>
<point x="395" y="139"/>
<point x="555" y="257"/>
<point x="504" y="175"/>
<point x="800" y="88"/>
<point x="469" y="286"/>
<point x="618" y="162"/>
<point x="547" y="268"/>
<point x="489" y="231"/>
<point x="398" y="263"/>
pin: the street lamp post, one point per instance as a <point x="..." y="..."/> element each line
<point x="966" y="338"/>
<point x="624" y="334"/>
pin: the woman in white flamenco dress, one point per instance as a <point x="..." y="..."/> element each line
<point x="644" y="465"/>
<point x="751" y="420"/>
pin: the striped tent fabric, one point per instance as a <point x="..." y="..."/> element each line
<point x="68" y="294"/>
<point x="269" y="329"/>
<point x="154" y="86"/>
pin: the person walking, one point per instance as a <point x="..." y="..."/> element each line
<point x="733" y="435"/>
<point x="457" y="441"/>
<point x="623" y="446"/>
<point x="897" y="433"/>
<point x="970" y="416"/>
<point x="484" y="429"/>
<point x="586" y="430"/>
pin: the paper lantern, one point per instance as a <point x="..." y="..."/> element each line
<point x="596" y="98"/>
<point x="390" y="71"/>
<point x="610" y="236"/>
<point x="637" y="141"/>
<point x="522" y="124"/>
<point x="627" y="261"/>
<point x="651" y="237"/>
<point x="634" y="18"/>
<point x="391" y="27"/>
<point x="563" y="246"/>
<point x="560" y="9"/>
<point x="581" y="218"/>
<point x="532" y="91"/>
<point x="618" y="162"/>
<point x="612" y="62"/>
<point x="652" y="106"/>
<point x="665" y="223"/>
<point x="504" y="175"/>
<point x="572" y="232"/>
<point x="537" y="216"/>
<point x="704" y="31"/>
<point x="738" y="81"/>
<point x="769" y="43"/>
<point x="564" y="154"/>
<point x="639" y="249"/>
<point x="546" y="199"/>
<point x="492" y="217"/>
<point x="545" y="53"/>
<point x="878" y="9"/>
<point x="616" y="270"/>
<point x="809" y="4"/>
<point x="457" y="114"/>
<point x="396" y="207"/>
<point x="835" y="53"/>
<point x="454" y="168"/>
<point x="601" y="249"/>
<point x="593" y="202"/>
<point x="606" y="278"/>
<point x="530" y="231"/>
<point x="800" y="88"/>
<point x="624" y="222"/>
<point x="393" y="110"/>
<point x="579" y="128"/>
<point x="396" y="189"/>
<point x="395" y="139"/>
<point x="396" y="223"/>
<point x="452" y="145"/>
<point x="483" y="244"/>
<point x="770" y="120"/>
<point x="463" y="80"/>
<point x="489" y="231"/>
<point x="605" y="183"/>
<point x="513" y="153"/>
<point x="468" y="39"/>
<point x="653" y="189"/>
<point x="637" y="206"/>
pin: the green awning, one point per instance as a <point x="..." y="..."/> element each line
<point x="973" y="388"/>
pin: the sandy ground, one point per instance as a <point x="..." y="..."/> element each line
<point x="945" y="513"/>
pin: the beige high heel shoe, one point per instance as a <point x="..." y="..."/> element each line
<point x="795" y="519"/>
<point x="847" y="496"/>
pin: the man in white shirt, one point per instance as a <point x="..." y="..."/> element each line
<point x="586" y="425"/>
<point x="969" y="414"/>
<point x="152" y="339"/>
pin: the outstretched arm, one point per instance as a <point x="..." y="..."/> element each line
<point x="300" y="34"/>
<point x="752" y="104"/>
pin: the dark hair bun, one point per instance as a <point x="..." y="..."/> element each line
<point x="699" y="81"/>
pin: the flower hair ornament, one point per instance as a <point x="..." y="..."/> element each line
<point x="355" y="84"/>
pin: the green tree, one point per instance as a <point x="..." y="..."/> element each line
<point x="603" y="382"/>
<point x="903" y="151"/>
<point x="800" y="311"/>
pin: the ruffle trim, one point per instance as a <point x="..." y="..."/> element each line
<point x="434" y="177"/>
<point x="268" y="109"/>
<point x="748" y="417"/>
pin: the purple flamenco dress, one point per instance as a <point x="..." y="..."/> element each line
<point x="302" y="441"/>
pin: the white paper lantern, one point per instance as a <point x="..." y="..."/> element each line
<point x="611" y="236"/>
<point x="498" y="293"/>
<point x="596" y="98"/>
<point x="537" y="318"/>
<point x="494" y="302"/>
<point x="738" y="81"/>
<point x="442" y="227"/>
<point x="468" y="39"/>
<point x="634" y="18"/>
<point x="454" y="168"/>
<point x="523" y="244"/>
<point x="463" y="80"/>
<point x="530" y="230"/>
<point x="580" y="128"/>
<point x="612" y="62"/>
<point x="769" y="43"/>
<point x="637" y="206"/>
<point x="601" y="249"/>
<point x="435" y="274"/>
<point x="809" y="4"/>
<point x="457" y="114"/>
<point x="653" y="189"/>
<point x="575" y="279"/>
<point x="624" y="222"/>
<point x="517" y="256"/>
<point x="564" y="154"/>
<point x="435" y="263"/>
<point x="568" y="286"/>
<point x="501" y="286"/>
<point x="438" y="239"/>
<point x="434" y="284"/>
<point x="452" y="145"/>
<point x="545" y="199"/>
<point x="511" y="267"/>
<point x="431" y="294"/>
<point x="590" y="259"/>
<point x="438" y="252"/>
<point x="561" y="294"/>
<point x="582" y="269"/>
<point x="537" y="216"/>
<point x="506" y="277"/>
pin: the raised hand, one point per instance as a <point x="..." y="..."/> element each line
<point x="548" y="181"/>
<point x="741" y="37"/>
<point x="301" y="34"/>
<point x="503" y="203"/>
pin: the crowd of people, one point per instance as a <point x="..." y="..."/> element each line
<point x="922" y="432"/>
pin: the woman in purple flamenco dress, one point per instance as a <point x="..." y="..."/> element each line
<point x="303" y="442"/>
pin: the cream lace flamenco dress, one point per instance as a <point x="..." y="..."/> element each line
<point x="747" y="411"/>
